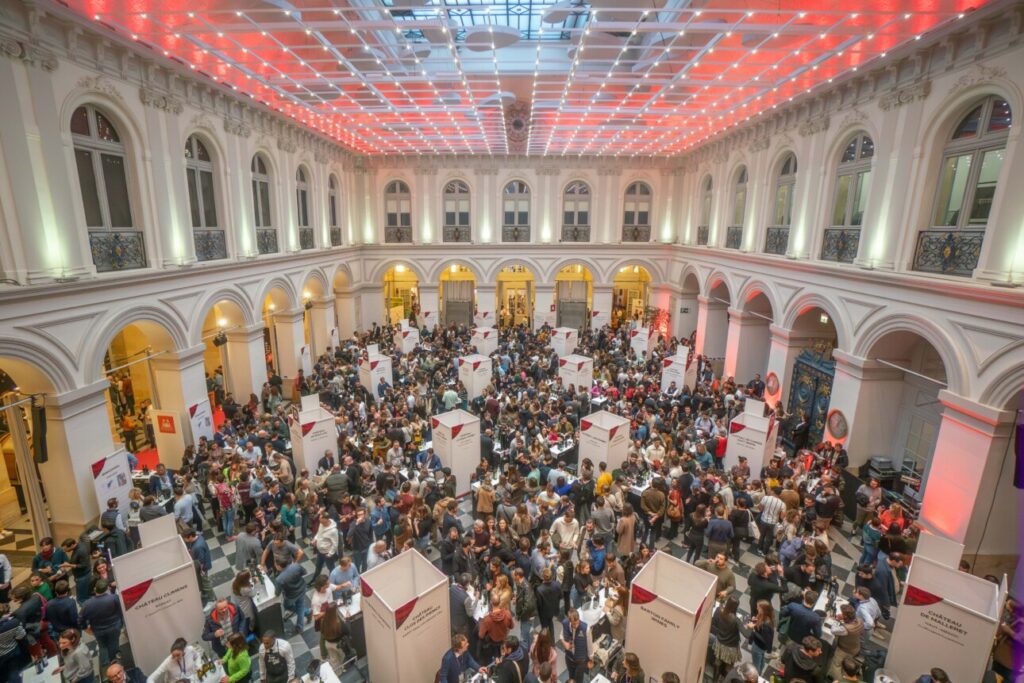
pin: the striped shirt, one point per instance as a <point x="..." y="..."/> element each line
<point x="771" y="509"/>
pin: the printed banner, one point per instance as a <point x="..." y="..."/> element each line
<point x="112" y="478"/>
<point x="169" y="436"/>
<point x="306" y="360"/>
<point x="673" y="370"/>
<point x="200" y="417"/>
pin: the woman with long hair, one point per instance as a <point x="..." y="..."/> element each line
<point x="628" y="670"/>
<point x="242" y="597"/>
<point x="76" y="662"/>
<point x="695" y="533"/>
<point x="626" y="531"/>
<point x="335" y="633"/>
<point x="725" y="627"/>
<point x="762" y="633"/>
<point x="502" y="591"/>
<point x="237" y="665"/>
<point x="543" y="652"/>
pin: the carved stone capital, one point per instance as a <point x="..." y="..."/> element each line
<point x="853" y="117"/>
<point x="236" y="127"/>
<point x="979" y="73"/>
<point x="287" y="145"/>
<point x="813" y="126"/>
<point x="901" y="96"/>
<point x="759" y="144"/>
<point x="612" y="172"/>
<point x="158" y="100"/>
<point x="31" y="55"/>
<point x="100" y="84"/>
<point x="548" y="171"/>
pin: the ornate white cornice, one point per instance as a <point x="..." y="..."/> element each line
<point x="979" y="73"/>
<point x="853" y="117"/>
<point x="901" y="96"/>
<point x="27" y="53"/>
<point x="609" y="172"/>
<point x="236" y="127"/>
<point x="759" y="144"/>
<point x="288" y="145"/>
<point x="813" y="126"/>
<point x="548" y="171"/>
<point x="161" y="101"/>
<point x="100" y="84"/>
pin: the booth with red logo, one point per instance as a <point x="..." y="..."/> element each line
<point x="564" y="340"/>
<point x="456" y="440"/>
<point x="314" y="433"/>
<point x="577" y="371"/>
<point x="475" y="373"/>
<point x="604" y="437"/>
<point x="751" y="435"/>
<point x="372" y="369"/>
<point x="642" y="340"/>
<point x="673" y="369"/>
<point x="485" y="339"/>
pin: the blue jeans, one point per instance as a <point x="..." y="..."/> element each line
<point x="757" y="655"/>
<point x="359" y="557"/>
<point x="868" y="554"/>
<point x="524" y="632"/>
<point x="109" y="645"/>
<point x="298" y="606"/>
<point x="228" y="517"/>
<point x="82" y="588"/>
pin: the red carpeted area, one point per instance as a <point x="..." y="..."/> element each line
<point x="149" y="457"/>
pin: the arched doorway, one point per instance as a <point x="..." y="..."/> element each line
<point x="689" y="306"/>
<point x="911" y="401"/>
<point x="574" y="288"/>
<point x="753" y="341"/>
<point x="274" y="304"/>
<point x="812" y="373"/>
<point x="401" y="293"/>
<point x="716" y="324"/>
<point x="515" y="296"/>
<point x="222" y="322"/>
<point x="457" y="294"/>
<point x="631" y="292"/>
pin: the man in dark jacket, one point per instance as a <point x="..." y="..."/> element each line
<point x="549" y="597"/>
<point x="802" y="661"/>
<point x="884" y="586"/>
<point x="457" y="660"/>
<point x="803" y="620"/>
<point x="461" y="605"/>
<point x="224" y="621"/>
<point x="62" y="611"/>
<point x="101" y="616"/>
<point x="514" y="663"/>
<point x="360" y="537"/>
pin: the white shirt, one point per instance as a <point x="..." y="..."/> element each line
<point x="568" y="531"/>
<point x="171" y="670"/>
<point x="326" y="539"/>
<point x="284" y="649"/>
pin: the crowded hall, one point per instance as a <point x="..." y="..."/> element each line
<point x="508" y="341"/>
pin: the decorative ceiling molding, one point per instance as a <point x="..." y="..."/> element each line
<point x="901" y="96"/>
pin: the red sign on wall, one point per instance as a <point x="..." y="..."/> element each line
<point x="165" y="423"/>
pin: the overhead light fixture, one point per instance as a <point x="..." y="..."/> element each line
<point x="823" y="319"/>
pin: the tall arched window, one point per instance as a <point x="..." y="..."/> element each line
<point x="115" y="242"/>
<point x="202" y="201"/>
<point x="636" y="213"/>
<point x="306" y="239"/>
<point x="707" y="196"/>
<point x="734" y="231"/>
<point x="776" y="239"/>
<point x="397" y="213"/>
<point x="971" y="164"/>
<point x="266" y="233"/>
<point x="332" y="210"/>
<point x="853" y="182"/>
<point x="456" y="212"/>
<point x="576" y="212"/>
<point x="515" y="220"/>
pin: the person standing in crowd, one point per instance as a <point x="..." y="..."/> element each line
<point x="276" y="659"/>
<point x="182" y="663"/>
<point x="457" y="661"/>
<point x="101" y="617"/>
<point x="574" y="643"/>
<point x="76" y="662"/>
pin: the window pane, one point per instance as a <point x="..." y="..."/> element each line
<point x="117" y="191"/>
<point x="392" y="219"/>
<point x="406" y="219"/>
<point x="842" y="196"/>
<point x="334" y="211"/>
<point x="87" y="181"/>
<point x="860" y="199"/>
<point x="583" y="217"/>
<point x="80" y="121"/>
<point x="951" y="189"/>
<point x="201" y="151"/>
<point x="567" y="218"/>
<point x="991" y="164"/>
<point x="968" y="128"/>
<point x="850" y="153"/>
<point x="782" y="204"/>
<point x="629" y="217"/>
<point x="265" y="203"/>
<point x="464" y="218"/>
<point x="209" y="200"/>
<point x="510" y="217"/>
<point x="256" y="204"/>
<point x="404" y="205"/>
<point x="304" y="206"/>
<point x="1001" y="116"/>
<point x="643" y="218"/>
<point x="705" y="210"/>
<point x="105" y="129"/>
<point x="464" y="206"/>
<point x="739" y="207"/>
<point x="193" y="197"/>
<point x="523" y="218"/>
<point x="449" y="218"/>
<point x="867" y="148"/>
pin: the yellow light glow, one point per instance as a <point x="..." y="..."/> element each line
<point x="399" y="268"/>
<point x="306" y="294"/>
<point x="271" y="306"/>
<point x="222" y="322"/>
<point x="454" y="268"/>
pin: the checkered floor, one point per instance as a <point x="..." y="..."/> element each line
<point x="306" y="645"/>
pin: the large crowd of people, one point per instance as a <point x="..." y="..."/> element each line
<point x="549" y="535"/>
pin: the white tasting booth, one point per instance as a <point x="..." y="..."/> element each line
<point x="485" y="339"/>
<point x="483" y="318"/>
<point x="947" y="618"/>
<point x="160" y="599"/>
<point x="372" y="370"/>
<point x="671" y="603"/>
<point x="598" y="319"/>
<point x="428" y="319"/>
<point x="576" y="370"/>
<point x="407" y="617"/>
<point x="604" y="437"/>
<point x="564" y="340"/>
<point x="642" y="340"/>
<point x="313" y="433"/>
<point x="408" y="339"/>
<point x="673" y="369"/>
<point x="751" y="435"/>
<point x="456" y="440"/>
<point x="475" y="373"/>
<point x="937" y="547"/>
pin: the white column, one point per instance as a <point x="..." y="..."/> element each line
<point x="246" y="361"/>
<point x="179" y="379"/>
<point x="1002" y="253"/>
<point x="747" y="346"/>
<point x="77" y="434"/>
<point x="608" y="206"/>
<point x="964" y="481"/>
<point x="712" y="327"/>
<point x="291" y="336"/>
<point x="486" y="299"/>
<point x="321" y="321"/>
<point x="370" y="308"/>
<point x="544" y="305"/>
<point x="862" y="391"/>
<point x="808" y="196"/>
<point x="785" y="348"/>
<point x="345" y="313"/>
<point x="173" y="225"/>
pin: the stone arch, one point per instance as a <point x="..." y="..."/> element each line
<point x="1004" y="391"/>
<point x="690" y="274"/>
<point x="751" y="290"/>
<point x="36" y="369"/>
<point x="281" y="284"/>
<point x="235" y="296"/>
<point x="316" y="277"/>
<point x="957" y="365"/>
<point x="841" y="137"/>
<point x="715" y="279"/>
<point x="836" y="313"/>
<point x="549" y="276"/>
<point x="531" y="264"/>
<point x="163" y="331"/>
<point x="653" y="270"/>
<point x="341" y="278"/>
<point x="435" y="274"/>
<point x="377" y="274"/>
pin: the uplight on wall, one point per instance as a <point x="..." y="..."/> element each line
<point x="823" y="319"/>
<point x="400" y="268"/>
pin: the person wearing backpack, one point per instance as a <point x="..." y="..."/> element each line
<point x="277" y="663"/>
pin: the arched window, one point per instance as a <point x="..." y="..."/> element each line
<point x="707" y="196"/>
<point x="636" y="213"/>
<point x="266" y="233"/>
<point x="576" y="212"/>
<point x="515" y="221"/>
<point x="306" y="240"/>
<point x="115" y="242"/>
<point x="202" y="201"/>
<point x="777" y="236"/>
<point x="971" y="163"/>
<point x="397" y="212"/>
<point x="853" y="182"/>
<point x="734" y="231"/>
<point x="332" y="210"/>
<point x="456" y="212"/>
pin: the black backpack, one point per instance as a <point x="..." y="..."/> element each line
<point x="276" y="667"/>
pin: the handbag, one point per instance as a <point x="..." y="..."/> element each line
<point x="754" y="529"/>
